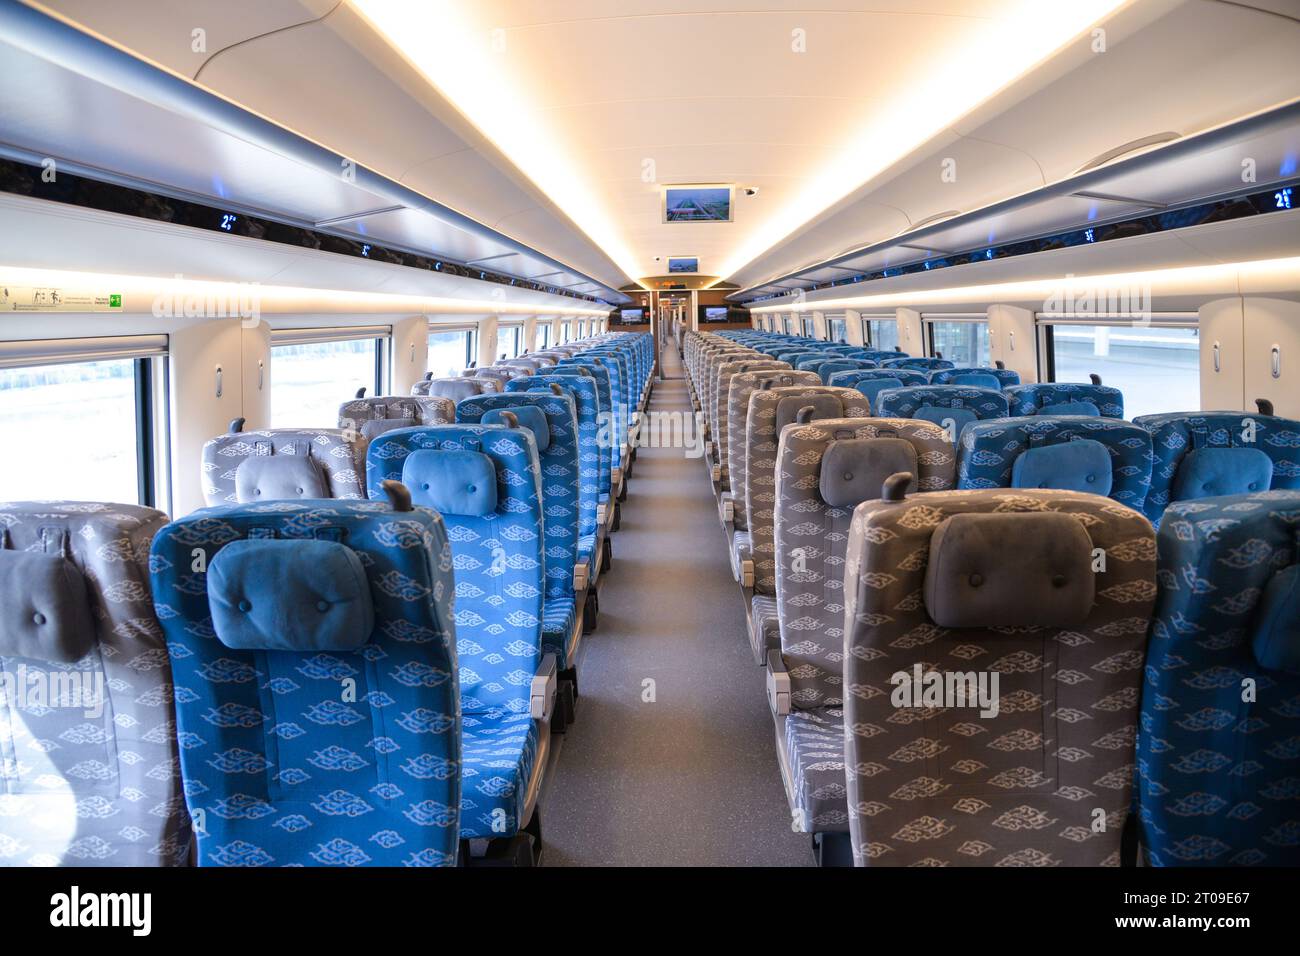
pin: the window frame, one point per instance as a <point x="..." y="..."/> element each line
<point x="380" y="335"/>
<point x="930" y="319"/>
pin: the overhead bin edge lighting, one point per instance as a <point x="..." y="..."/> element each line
<point x="1193" y="276"/>
<point x="946" y="88"/>
<point x="442" y="43"/>
<point x="179" y="292"/>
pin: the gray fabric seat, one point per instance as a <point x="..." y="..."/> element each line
<point x="1045" y="777"/>
<point x="455" y="388"/>
<point x="89" y="773"/>
<point x="279" y="463"/>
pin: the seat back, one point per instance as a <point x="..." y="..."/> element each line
<point x="1204" y="454"/>
<point x="951" y="406"/>
<point x="456" y="388"/>
<point x="770" y="410"/>
<point x="719" y="402"/>
<point x="1220" y="725"/>
<point x="871" y="382"/>
<point x="828" y="368"/>
<point x="1066" y="398"/>
<point x="916" y="364"/>
<point x="500" y="377"/>
<point x="279" y="463"/>
<point x="88" y="756"/>
<point x="485" y="482"/>
<point x="593" y="465"/>
<point x="979" y="377"/>
<point x="1058" y="452"/>
<point x="741" y="387"/>
<point x="363" y="418"/>
<point x="314" y="659"/>
<point x="946" y="767"/>
<point x="825" y="469"/>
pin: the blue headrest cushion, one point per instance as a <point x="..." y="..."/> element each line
<point x="854" y="469"/>
<point x="289" y="594"/>
<point x="44" y="608"/>
<point x="1071" y="408"/>
<point x="977" y="379"/>
<point x="960" y="417"/>
<point x="1210" y="472"/>
<point x="874" y="386"/>
<point x="275" y="477"/>
<point x="1276" y="638"/>
<point x="529" y="416"/>
<point x="1080" y="465"/>
<point x="452" y="481"/>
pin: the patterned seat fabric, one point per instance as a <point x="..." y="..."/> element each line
<point x="1040" y="399"/>
<point x="500" y="377"/>
<point x="946" y="376"/>
<point x="1175" y="435"/>
<point x="1038" y="769"/>
<point x="761" y="436"/>
<point x="917" y="364"/>
<point x="500" y="573"/>
<point x="811" y="535"/>
<point x="870" y="382"/>
<point x="740" y="388"/>
<point x="591" y="394"/>
<point x="926" y="401"/>
<point x="612" y="431"/>
<point x="363" y="418"/>
<point x="720" y="405"/>
<point x="560" y="510"/>
<point x="333" y="468"/>
<point x="843" y="364"/>
<point x="455" y="388"/>
<point x="317" y="713"/>
<point x="1220" y="733"/>
<point x="88" y="769"/>
<point x="988" y="451"/>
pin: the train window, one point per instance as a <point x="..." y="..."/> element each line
<point x="450" y="352"/>
<point x="310" y="379"/>
<point x="564" y="331"/>
<point x="543" y="335"/>
<point x="809" y="327"/>
<point x="1156" y="365"/>
<point x="880" y="333"/>
<point x="839" y="330"/>
<point x="963" y="341"/>
<point x="84" y="423"/>
<point x="509" y="341"/>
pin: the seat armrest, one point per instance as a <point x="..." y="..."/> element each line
<point x="747" y="574"/>
<point x="541" y="695"/>
<point x="616" y="479"/>
<point x="581" y="572"/>
<point x="778" y="685"/>
<point x="727" y="509"/>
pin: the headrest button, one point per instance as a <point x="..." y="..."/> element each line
<point x="848" y="476"/>
<point x="1092" y="478"/>
<point x="1254" y="486"/>
<point x="471" y="489"/>
<point x="38" y="618"/>
<point x="976" y="580"/>
<point x="1058" y="580"/>
<point x="245" y="606"/>
<point x="425" y="487"/>
<point x="322" y="606"/>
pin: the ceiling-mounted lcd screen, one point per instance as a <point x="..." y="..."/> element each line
<point x="683" y="265"/>
<point x="697" y="204"/>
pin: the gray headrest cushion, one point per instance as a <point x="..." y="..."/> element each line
<point x="1010" y="570"/>
<point x="44" y="608"/>
<point x="376" y="427"/>
<point x="824" y="406"/>
<point x="854" y="469"/>
<point x="275" y="477"/>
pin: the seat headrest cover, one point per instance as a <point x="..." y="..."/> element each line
<point x="456" y="388"/>
<point x="1080" y="465"/>
<point x="276" y="477"/>
<point x="977" y="379"/>
<point x="941" y="415"/>
<point x="854" y="469"/>
<point x="282" y="594"/>
<point x="526" y="416"/>
<point x="378" y="426"/>
<point x="452" y="481"/>
<point x="1071" y="408"/>
<point x="1210" y="472"/>
<point x="976" y="579"/>
<point x="44" y="608"/>
<point x="1276" y="634"/>
<point x="824" y="406"/>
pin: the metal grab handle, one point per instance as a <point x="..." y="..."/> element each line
<point x="1277" y="360"/>
<point x="1216" y="357"/>
<point x="219" y="377"/>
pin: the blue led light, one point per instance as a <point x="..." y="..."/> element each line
<point x="988" y="253"/>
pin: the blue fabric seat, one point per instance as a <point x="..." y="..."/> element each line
<point x="916" y="364"/>
<point x="1066" y="398"/>
<point x="560" y="486"/>
<point x="1004" y="377"/>
<point x="988" y="453"/>
<point x="1179" y="436"/>
<point x="317" y="711"/>
<point x="500" y="751"/>
<point x="959" y="405"/>
<point x="498" y="554"/>
<point x="826" y="369"/>
<point x="1217" y="748"/>
<point x="871" y="382"/>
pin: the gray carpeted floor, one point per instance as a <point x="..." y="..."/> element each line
<point x="690" y="778"/>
